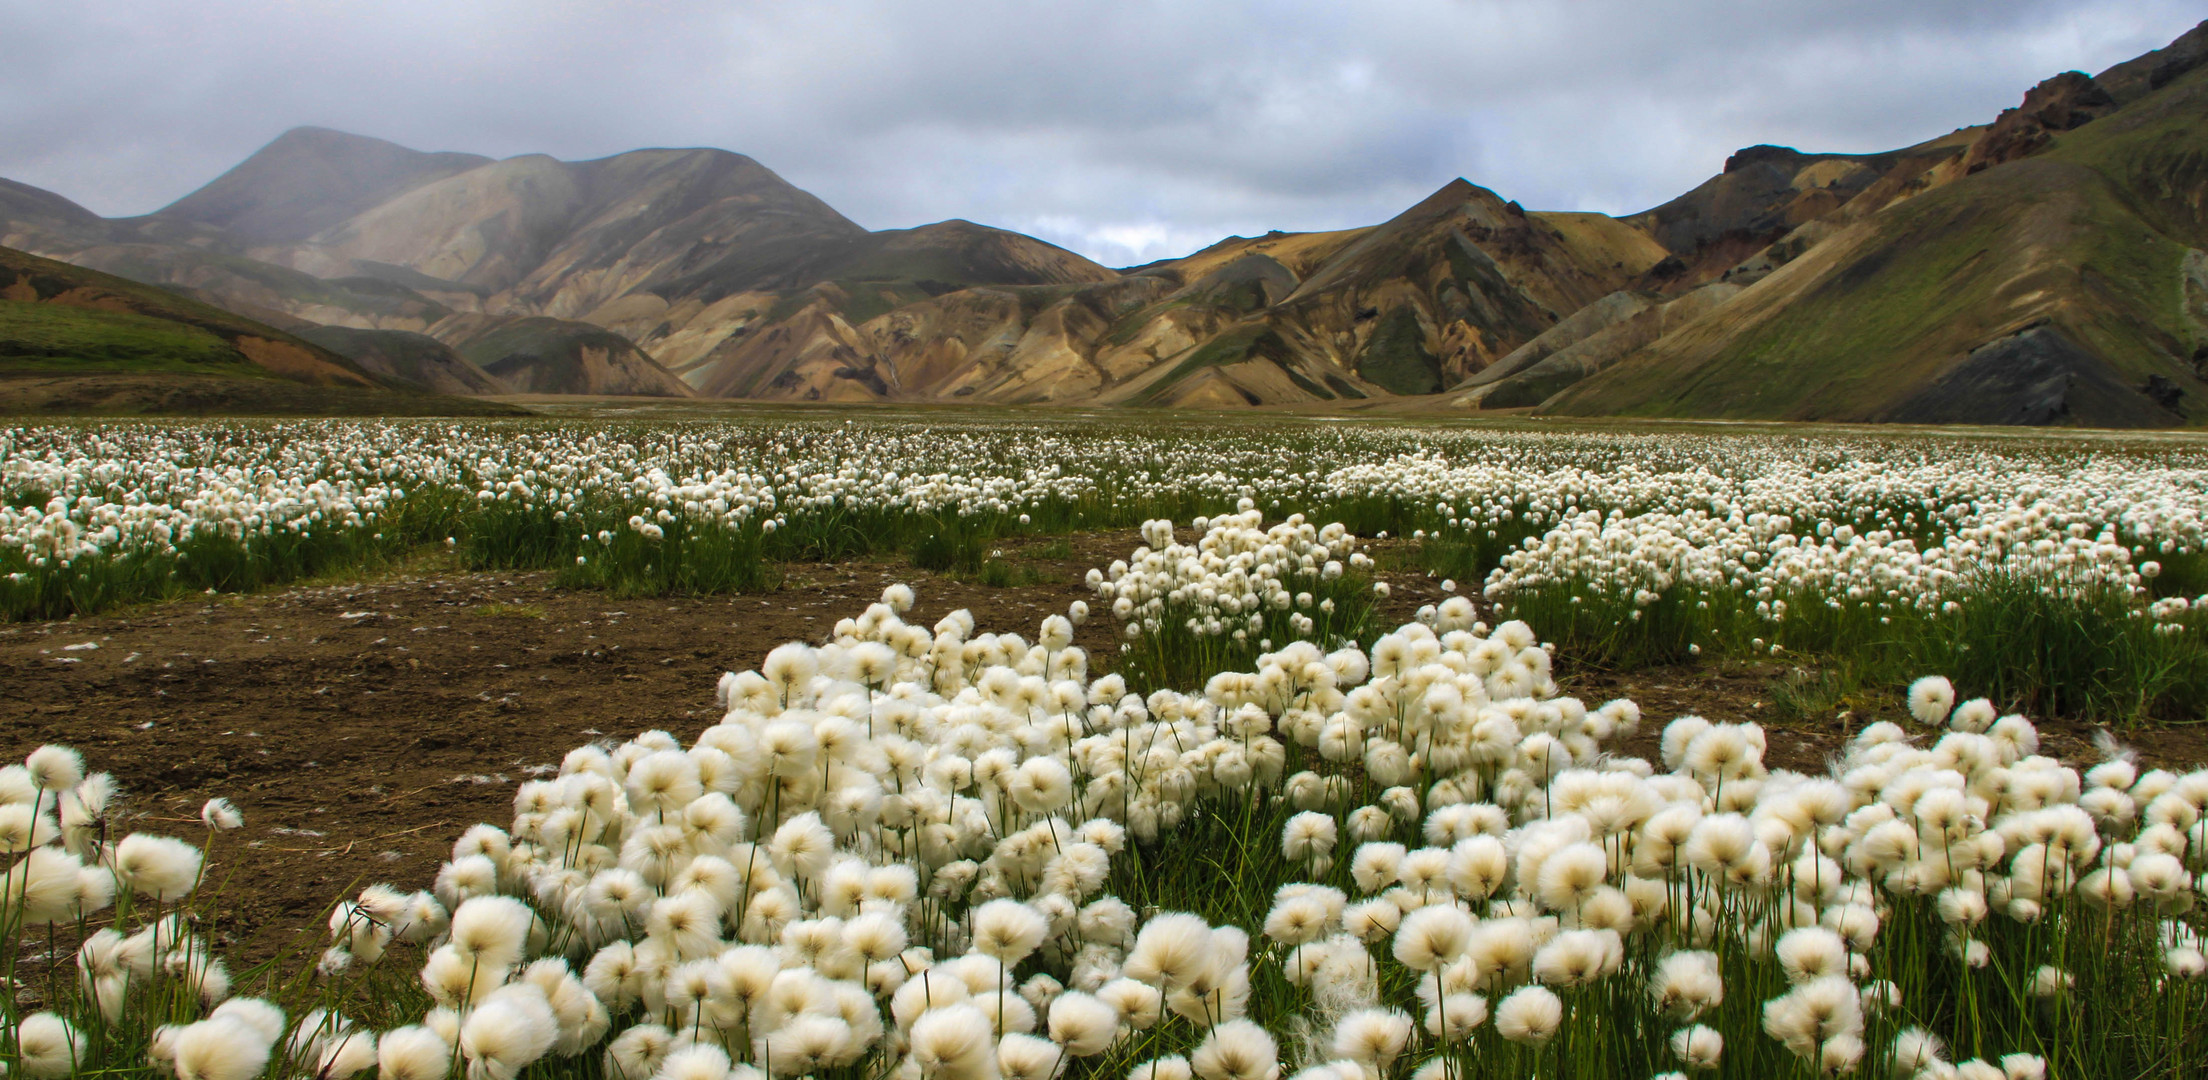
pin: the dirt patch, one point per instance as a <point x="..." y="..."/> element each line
<point x="1737" y="692"/>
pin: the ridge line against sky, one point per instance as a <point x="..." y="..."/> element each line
<point x="1124" y="131"/>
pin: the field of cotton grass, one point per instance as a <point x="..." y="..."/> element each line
<point x="957" y="853"/>
<point x="2058" y="576"/>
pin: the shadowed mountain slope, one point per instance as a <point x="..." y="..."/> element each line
<point x="2076" y="266"/>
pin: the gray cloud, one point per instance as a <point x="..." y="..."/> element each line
<point x="1127" y="130"/>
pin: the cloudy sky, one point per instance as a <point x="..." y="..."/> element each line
<point x="1127" y="130"/>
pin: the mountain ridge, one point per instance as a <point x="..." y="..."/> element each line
<point x="1789" y="284"/>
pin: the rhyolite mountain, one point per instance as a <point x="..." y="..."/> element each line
<point x="2046" y="266"/>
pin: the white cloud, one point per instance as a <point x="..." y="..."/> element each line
<point x="1126" y="130"/>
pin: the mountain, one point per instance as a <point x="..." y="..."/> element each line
<point x="2057" y="275"/>
<point x="2046" y="265"/>
<point x="73" y="339"/>
<point x="308" y="180"/>
<point x="1403" y="307"/>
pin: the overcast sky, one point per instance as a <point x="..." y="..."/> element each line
<point x="1126" y="130"/>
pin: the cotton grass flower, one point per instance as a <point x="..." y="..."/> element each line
<point x="507" y="1032"/>
<point x="48" y="1046"/>
<point x="412" y="1053"/>
<point x="1698" y="1047"/>
<point x="54" y="769"/>
<point x="1930" y="700"/>
<point x="1530" y="1015"/>
<point x="1083" y="1024"/>
<point x="1170" y="1067"/>
<point x="157" y="867"/>
<point x="953" y="1043"/>
<point x="1236" y="1050"/>
<point x="1431" y="937"/>
<point x="219" y="1048"/>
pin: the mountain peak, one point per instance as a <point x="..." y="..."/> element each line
<point x="1760" y="153"/>
<point x="308" y="179"/>
<point x="1453" y="192"/>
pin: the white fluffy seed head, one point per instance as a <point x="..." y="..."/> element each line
<point x="413" y="1053"/>
<point x="1571" y="875"/>
<point x="1236" y="1050"/>
<point x="50" y="1047"/>
<point x="1025" y="1057"/>
<point x="1578" y="957"/>
<point x="55" y="768"/>
<point x="953" y="1043"/>
<point x="1432" y="936"/>
<point x="1170" y="949"/>
<point x="1916" y="1049"/>
<point x="221" y="815"/>
<point x="1374" y="1037"/>
<point x="1811" y="952"/>
<point x="1083" y="1024"/>
<point x="160" y="867"/>
<point x="219" y="1048"/>
<point x="1529" y="1015"/>
<point x="1138" y="1003"/>
<point x="345" y="1053"/>
<point x="1930" y="699"/>
<point x="1171" y="1067"/>
<point x="1698" y="1047"/>
<point x="507" y="1032"/>
<point x="1008" y="930"/>
<point x="492" y="931"/>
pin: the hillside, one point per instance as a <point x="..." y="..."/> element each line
<point x="73" y="339"/>
<point x="540" y="355"/>
<point x="415" y="358"/>
<point x="2061" y="285"/>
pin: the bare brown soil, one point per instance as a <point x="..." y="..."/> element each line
<point x="362" y="725"/>
<point x="46" y="395"/>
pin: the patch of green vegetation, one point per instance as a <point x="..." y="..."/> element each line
<point x="948" y="549"/>
<point x="61" y="339"/>
<point x="1396" y="357"/>
<point x="1824" y="691"/>
<point x="871" y="300"/>
<point x="997" y="573"/>
<point x="2010" y="640"/>
<point x="538" y="337"/>
<point x="1343" y="387"/>
<point x="503" y="610"/>
<point x="863" y="300"/>
<point x="789" y="304"/>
